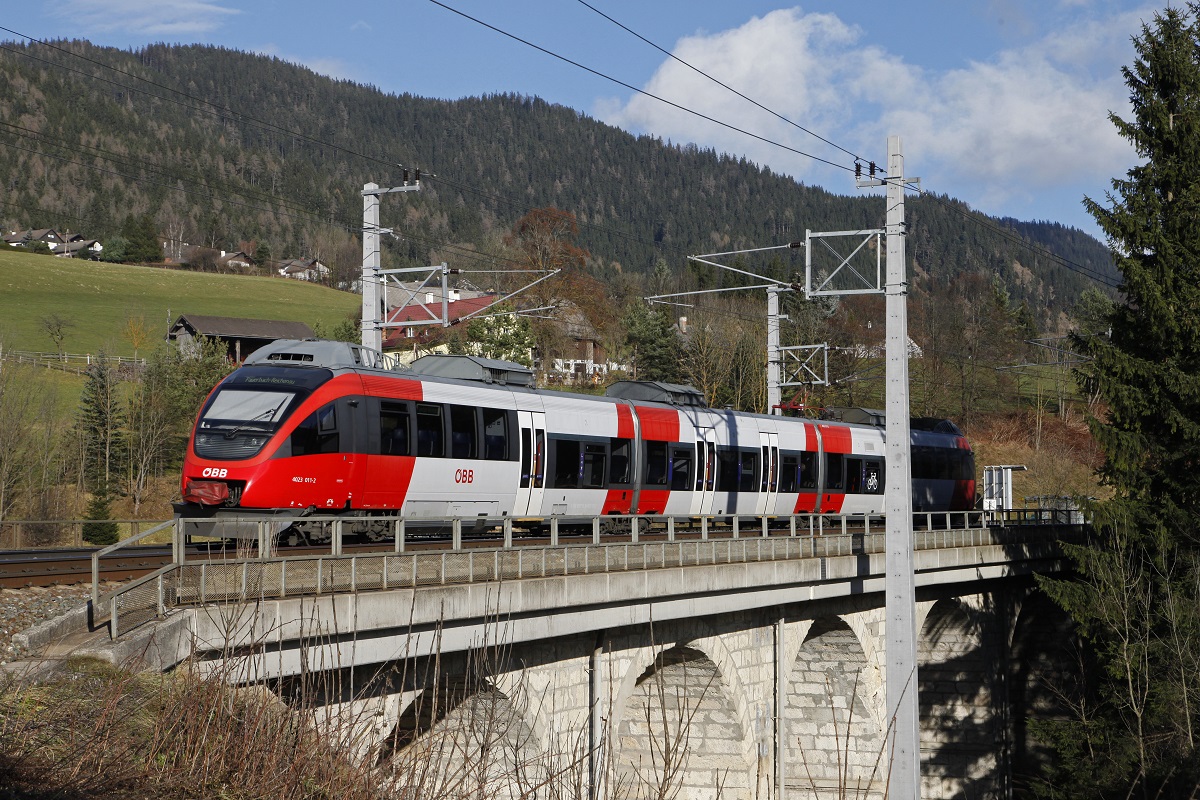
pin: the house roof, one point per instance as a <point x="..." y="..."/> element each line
<point x="420" y="312"/>
<point x="236" y="255"/>
<point x="292" y="265"/>
<point x="75" y="245"/>
<point x="238" y="328"/>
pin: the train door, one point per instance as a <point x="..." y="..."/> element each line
<point x="769" y="479"/>
<point x="836" y="446"/>
<point x="532" y="482"/>
<point x="706" y="471"/>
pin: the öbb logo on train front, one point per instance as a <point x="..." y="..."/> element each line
<point x="464" y="476"/>
<point x="214" y="472"/>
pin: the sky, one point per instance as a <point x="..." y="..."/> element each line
<point x="1003" y="104"/>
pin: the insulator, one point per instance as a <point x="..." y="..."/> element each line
<point x="857" y="170"/>
<point x="406" y="176"/>
<point x="872" y="170"/>
<point x="418" y="176"/>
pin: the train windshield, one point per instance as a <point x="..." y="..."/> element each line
<point x="249" y="406"/>
<point x="245" y="406"/>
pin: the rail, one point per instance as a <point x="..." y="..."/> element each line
<point x="36" y="534"/>
<point x="254" y="574"/>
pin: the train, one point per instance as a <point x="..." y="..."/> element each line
<point x="315" y="427"/>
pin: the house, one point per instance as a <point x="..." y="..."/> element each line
<point x="304" y="269"/>
<point x="237" y="260"/>
<point x="48" y="235"/>
<point x="425" y="309"/>
<point x="241" y="336"/>
<point x="79" y="248"/>
<point x="879" y="350"/>
<point x="585" y="360"/>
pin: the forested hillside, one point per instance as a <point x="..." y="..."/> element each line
<point x="228" y="149"/>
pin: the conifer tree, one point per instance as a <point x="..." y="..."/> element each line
<point x="100" y="426"/>
<point x="100" y="423"/>
<point x="1136" y="600"/>
<point x="652" y="344"/>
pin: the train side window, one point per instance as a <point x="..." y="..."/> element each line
<point x="393" y="428"/>
<point x="618" y="468"/>
<point x="789" y="475"/>
<point x="727" y="470"/>
<point x="539" y="459"/>
<point x="567" y="464"/>
<point x="431" y="436"/>
<point x="808" y="470"/>
<point x="526" y="457"/>
<point x="854" y="475"/>
<point x="681" y="469"/>
<point x="964" y="465"/>
<point x="594" y="466"/>
<point x="316" y="434"/>
<point x="495" y="434"/>
<point x="656" y="463"/>
<point x="748" y="479"/>
<point x="835" y="477"/>
<point x="463" y="434"/>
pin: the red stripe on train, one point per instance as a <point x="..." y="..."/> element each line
<point x="658" y="424"/>
<point x="624" y="422"/>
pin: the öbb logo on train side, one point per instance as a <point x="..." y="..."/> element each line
<point x="464" y="476"/>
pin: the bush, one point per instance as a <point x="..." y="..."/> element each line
<point x="101" y="530"/>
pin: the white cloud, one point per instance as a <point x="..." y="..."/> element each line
<point x="997" y="132"/>
<point x="330" y="67"/>
<point x="148" y="17"/>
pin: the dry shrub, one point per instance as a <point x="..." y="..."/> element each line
<point x="96" y="730"/>
<point x="1059" y="452"/>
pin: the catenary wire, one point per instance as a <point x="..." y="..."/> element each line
<point x="721" y="83"/>
<point x="633" y="88"/>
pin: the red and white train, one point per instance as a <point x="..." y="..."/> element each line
<point x="315" y="426"/>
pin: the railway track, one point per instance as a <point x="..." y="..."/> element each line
<point x="63" y="567"/>
<point x="50" y="567"/>
<point x="21" y="568"/>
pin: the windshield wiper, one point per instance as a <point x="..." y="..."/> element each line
<point x="244" y="424"/>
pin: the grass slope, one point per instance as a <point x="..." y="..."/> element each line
<point x="99" y="297"/>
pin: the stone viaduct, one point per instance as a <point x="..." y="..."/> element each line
<point x="698" y="669"/>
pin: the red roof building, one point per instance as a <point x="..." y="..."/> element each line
<point x="427" y="312"/>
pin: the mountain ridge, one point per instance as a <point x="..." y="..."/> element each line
<point x="256" y="149"/>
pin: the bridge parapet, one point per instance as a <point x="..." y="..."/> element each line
<point x="650" y="543"/>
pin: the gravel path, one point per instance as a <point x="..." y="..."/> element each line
<point x="21" y="609"/>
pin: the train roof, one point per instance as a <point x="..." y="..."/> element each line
<point x="318" y="353"/>
<point x="673" y="394"/>
<point x="315" y="353"/>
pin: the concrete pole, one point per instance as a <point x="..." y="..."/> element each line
<point x="781" y="676"/>
<point x="774" y="391"/>
<point x="445" y="295"/>
<point x="900" y="627"/>
<point x="372" y="335"/>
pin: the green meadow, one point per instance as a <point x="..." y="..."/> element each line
<point x="97" y="298"/>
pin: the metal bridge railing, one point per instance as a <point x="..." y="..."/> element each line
<point x="648" y="543"/>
